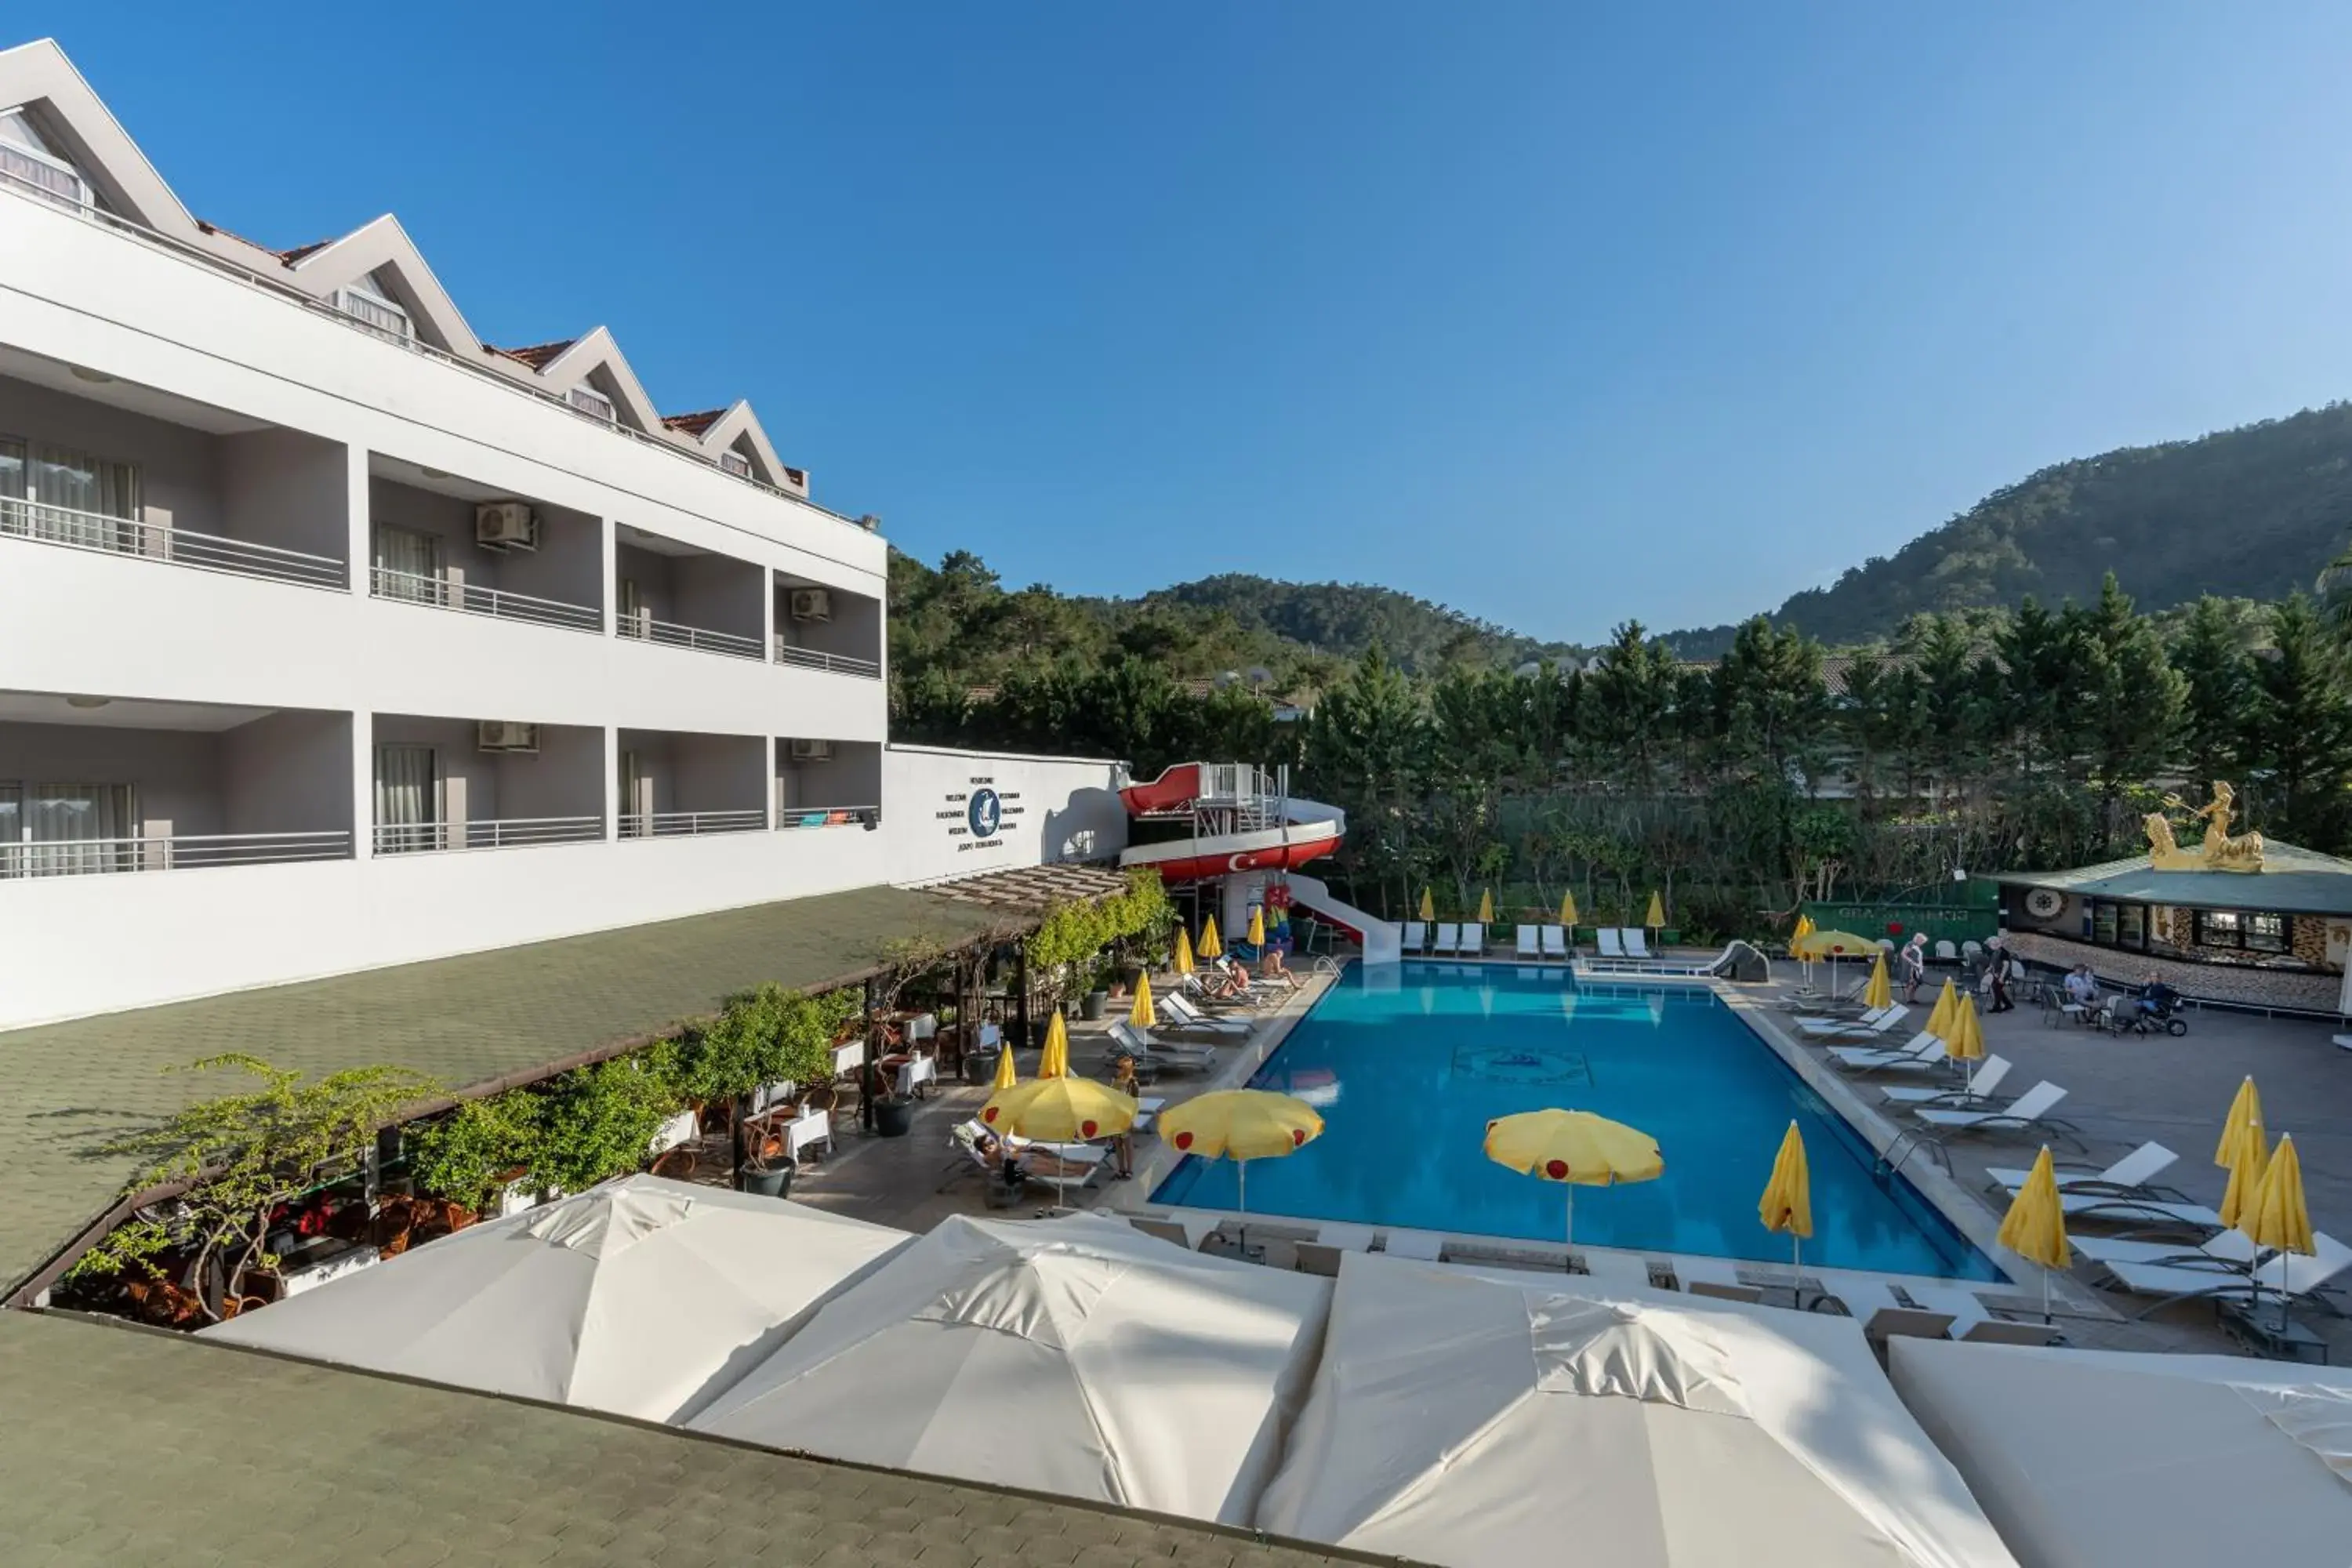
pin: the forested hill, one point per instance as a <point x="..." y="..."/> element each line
<point x="1347" y="618"/>
<point x="2251" y="512"/>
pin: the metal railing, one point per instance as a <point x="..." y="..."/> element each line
<point x="644" y="628"/>
<point x="508" y="833"/>
<point x="816" y="658"/>
<point x="16" y="185"/>
<point x="681" y="824"/>
<point x="441" y="593"/>
<point x="97" y="856"/>
<point x="826" y="816"/>
<point x="45" y="524"/>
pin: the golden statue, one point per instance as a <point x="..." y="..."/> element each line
<point x="2218" y="852"/>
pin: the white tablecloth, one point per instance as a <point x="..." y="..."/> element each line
<point x="814" y="1127"/>
<point x="918" y="1070"/>
<point x="848" y="1058"/>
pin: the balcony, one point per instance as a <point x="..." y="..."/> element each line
<point x="444" y="785"/>
<point x="827" y="782"/>
<point x="676" y="783"/>
<point x="96" y="786"/>
<point x="680" y="595"/>
<point x="449" y="543"/>
<point x="823" y="627"/>
<point x="91" y="463"/>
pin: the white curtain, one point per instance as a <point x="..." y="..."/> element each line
<point x="12" y="829"/>
<point x="84" y="484"/>
<point x="405" y="801"/>
<point x="636" y="797"/>
<point x="413" y="556"/>
<point x="79" y="828"/>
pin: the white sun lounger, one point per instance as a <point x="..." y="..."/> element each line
<point x="1148" y="1047"/>
<point x="1474" y="940"/>
<point x="2028" y="1110"/>
<point x="1922" y="1049"/>
<point x="2128" y="1177"/>
<point x="1627" y="1270"/>
<point x="1449" y="938"/>
<point x="1555" y="941"/>
<point x="1715" y="1277"/>
<point x="2187" y="1276"/>
<point x="1990" y="1074"/>
<point x="1637" y="943"/>
<point x="1868" y="1026"/>
<point x="1609" y="946"/>
<point x="2150" y="1212"/>
<point x="1416" y="936"/>
<point x="1530" y="944"/>
<point x="2229" y="1248"/>
<point x="1424" y="1244"/>
<point x="1184" y="1017"/>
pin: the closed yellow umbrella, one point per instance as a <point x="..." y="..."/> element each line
<point x="1804" y="928"/>
<point x="1257" y="927"/>
<point x="1143" y="1015"/>
<point x="1939" y="1017"/>
<point x="1486" y="905"/>
<point x="1428" y="909"/>
<point x="1183" y="951"/>
<point x="1054" y="1061"/>
<point x="1241" y="1125"/>
<point x="2035" y="1226"/>
<point x="1005" y="1076"/>
<point x="1575" y="1148"/>
<point x="1568" y="909"/>
<point x="1880" y="992"/>
<point x="1966" y="1042"/>
<point x="1657" y="913"/>
<point x="2245" y="1111"/>
<point x="2245" y="1180"/>
<point x="2280" y="1218"/>
<point x="1208" y="946"/>
<point x="1788" y="1203"/>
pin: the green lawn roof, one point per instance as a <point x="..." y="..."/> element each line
<point x="2292" y="880"/>
<point x="467" y="1021"/>
<point x="125" y="1446"/>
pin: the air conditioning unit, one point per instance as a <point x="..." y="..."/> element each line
<point x="497" y="735"/>
<point x="505" y="525"/>
<point x="812" y="751"/>
<point x="811" y="605"/>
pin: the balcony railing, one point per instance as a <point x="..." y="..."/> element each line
<point x="644" y="628"/>
<point x="816" y="658"/>
<point x="827" y="816"/>
<point x="507" y="833"/>
<point x="95" y="856"/>
<point x="681" y="824"/>
<point x="46" y="524"/>
<point x="440" y="592"/>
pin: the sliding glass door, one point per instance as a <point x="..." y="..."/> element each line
<point x="407" y="800"/>
<point x="67" y="829"/>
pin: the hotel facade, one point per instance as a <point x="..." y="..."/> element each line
<point x="333" y="637"/>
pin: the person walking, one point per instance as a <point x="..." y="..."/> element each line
<point x="1913" y="960"/>
<point x="2002" y="973"/>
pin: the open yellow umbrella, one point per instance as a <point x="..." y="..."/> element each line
<point x="1257" y="927"/>
<point x="1966" y="1042"/>
<point x="1804" y="928"/>
<point x="1241" y="1125"/>
<point x="1939" y="1017"/>
<point x="2245" y="1111"/>
<point x="1486" y="905"/>
<point x="1657" y="913"/>
<point x="2035" y="1226"/>
<point x="1568" y="909"/>
<point x="1208" y="946"/>
<point x="1880" y="992"/>
<point x="1428" y="909"/>
<point x="1575" y="1148"/>
<point x="1183" y="951"/>
<point x="1832" y="945"/>
<point x="1143" y="1015"/>
<point x="1788" y="1203"/>
<point x="2245" y="1180"/>
<point x="2280" y="1218"/>
<point x="1055" y="1108"/>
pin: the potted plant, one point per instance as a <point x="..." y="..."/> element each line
<point x="894" y="1115"/>
<point x="1098" y="994"/>
<point x="767" y="1169"/>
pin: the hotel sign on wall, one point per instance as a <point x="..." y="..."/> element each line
<point x="979" y="815"/>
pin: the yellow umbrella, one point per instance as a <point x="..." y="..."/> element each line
<point x="1880" y="992"/>
<point x="1568" y="909"/>
<point x="1575" y="1148"/>
<point x="1005" y="1076"/>
<point x="2281" y="1219"/>
<point x="1788" y="1203"/>
<point x="1939" y="1017"/>
<point x="1428" y="909"/>
<point x="1054" y="1061"/>
<point x="1966" y="1042"/>
<point x="1486" y="905"/>
<point x="1257" y="927"/>
<point x="2245" y="1111"/>
<point x="1241" y="1125"/>
<point x="1183" y="951"/>
<point x="2035" y="1225"/>
<point x="1143" y="1016"/>
<point x="1832" y="945"/>
<point x="2245" y="1181"/>
<point x="1804" y="928"/>
<point x="1059" y="1109"/>
<point x="1657" y="913"/>
<point x="1208" y="946"/>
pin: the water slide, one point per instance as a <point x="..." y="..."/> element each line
<point x="1382" y="941"/>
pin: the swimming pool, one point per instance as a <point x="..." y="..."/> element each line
<point x="1408" y="1063"/>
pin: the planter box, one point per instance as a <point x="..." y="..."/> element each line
<point x="310" y="1275"/>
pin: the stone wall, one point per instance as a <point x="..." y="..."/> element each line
<point x="2238" y="981"/>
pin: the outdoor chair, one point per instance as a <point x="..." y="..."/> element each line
<point x="1416" y="936"/>
<point x="1947" y="953"/>
<point x="1609" y="945"/>
<point x="2030" y="1113"/>
<point x="1923" y="1052"/>
<point x="1555" y="941"/>
<point x="1474" y="940"/>
<point x="1988" y="1077"/>
<point x="1637" y="943"/>
<point x="1187" y="1018"/>
<point x="2129" y="1177"/>
<point x="1449" y="938"/>
<point x="1530" y="943"/>
<point x="1869" y="1026"/>
<point x="1147" y="1047"/>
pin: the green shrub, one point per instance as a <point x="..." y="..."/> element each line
<point x="464" y="1156"/>
<point x="598" y="1122"/>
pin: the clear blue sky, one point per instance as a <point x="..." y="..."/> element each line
<point x="1554" y="313"/>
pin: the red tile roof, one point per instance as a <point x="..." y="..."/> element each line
<point x="537" y="355"/>
<point x="694" y="423"/>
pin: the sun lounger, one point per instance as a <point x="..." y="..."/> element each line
<point x="2003" y="1331"/>
<point x="1424" y="1244"/>
<point x="1922" y="1049"/>
<point x="1637" y="943"/>
<point x="1474" y="940"/>
<point x="1628" y="1271"/>
<point x="1867" y="1026"/>
<point x="1449" y="938"/>
<point x="2028" y="1112"/>
<point x="1555" y="941"/>
<point x="2281" y="1275"/>
<point x="2229" y="1248"/>
<point x="1989" y="1077"/>
<point x="1530" y="944"/>
<point x="1714" y="1278"/>
<point x="2129" y="1177"/>
<point x="1166" y="1230"/>
<point x="1146" y="1047"/>
<point x="1609" y="946"/>
<point x="2150" y="1213"/>
<point x="1184" y="1017"/>
<point x="1416" y="936"/>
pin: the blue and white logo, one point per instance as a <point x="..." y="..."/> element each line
<point x="984" y="814"/>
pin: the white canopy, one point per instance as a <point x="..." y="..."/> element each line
<point x="1075" y="1355"/>
<point x="2100" y="1457"/>
<point x="1483" y="1417"/>
<point x="638" y="1297"/>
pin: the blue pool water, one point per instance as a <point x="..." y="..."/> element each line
<point x="1408" y="1063"/>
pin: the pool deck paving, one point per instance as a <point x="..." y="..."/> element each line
<point x="2120" y="1093"/>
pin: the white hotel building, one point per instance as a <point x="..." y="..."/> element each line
<point x="332" y="637"/>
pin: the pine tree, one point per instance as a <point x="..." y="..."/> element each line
<point x="2217" y="692"/>
<point x="2302" y="733"/>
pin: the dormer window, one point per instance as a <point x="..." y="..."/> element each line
<point x="593" y="402"/>
<point x="26" y="164"/>
<point x="736" y="463"/>
<point x="377" y="313"/>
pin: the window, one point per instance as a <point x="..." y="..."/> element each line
<point x="67" y="829"/>
<point x="407" y="800"/>
<point x="636" y="797"/>
<point x="2118" y="925"/>
<point x="377" y="313"/>
<point x="590" y="401"/>
<point x="73" y="497"/>
<point x="736" y="463"/>
<point x="408" y="566"/>
<point x="27" y="164"/>
<point x="2252" y="931"/>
